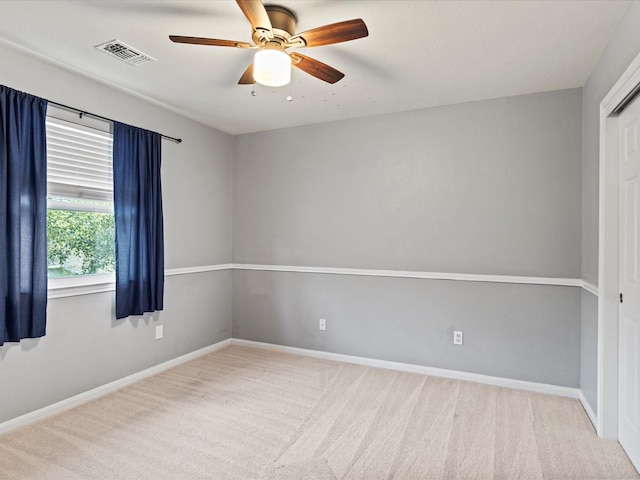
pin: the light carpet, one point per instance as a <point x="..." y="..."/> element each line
<point x="246" y="413"/>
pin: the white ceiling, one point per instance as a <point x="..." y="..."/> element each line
<point x="418" y="53"/>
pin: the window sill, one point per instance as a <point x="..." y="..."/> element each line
<point x="81" y="285"/>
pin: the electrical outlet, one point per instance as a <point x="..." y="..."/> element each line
<point x="457" y="337"/>
<point x="322" y="324"/>
<point x="159" y="332"/>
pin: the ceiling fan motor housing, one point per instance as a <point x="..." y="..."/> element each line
<point x="283" y="23"/>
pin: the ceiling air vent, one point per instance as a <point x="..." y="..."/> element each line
<point x="124" y="52"/>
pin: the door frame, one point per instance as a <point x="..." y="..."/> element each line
<point x="608" y="258"/>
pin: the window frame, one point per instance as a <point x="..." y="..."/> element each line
<point x="61" y="287"/>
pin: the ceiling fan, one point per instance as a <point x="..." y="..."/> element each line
<point x="273" y="32"/>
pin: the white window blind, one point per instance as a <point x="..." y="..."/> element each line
<point x="79" y="161"/>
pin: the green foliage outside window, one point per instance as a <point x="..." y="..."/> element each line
<point x="80" y="242"/>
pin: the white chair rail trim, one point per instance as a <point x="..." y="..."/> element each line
<point x="106" y="283"/>
<point x="461" y="277"/>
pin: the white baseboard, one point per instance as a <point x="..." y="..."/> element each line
<point x="587" y="408"/>
<point x="84" y="397"/>
<point x="432" y="371"/>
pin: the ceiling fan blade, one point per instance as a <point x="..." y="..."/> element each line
<point x="333" y="33"/>
<point x="256" y="14"/>
<point x="316" y="68"/>
<point x="247" y="77"/>
<point x="209" y="41"/>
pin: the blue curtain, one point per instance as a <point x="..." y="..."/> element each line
<point x="23" y="216"/>
<point x="137" y="196"/>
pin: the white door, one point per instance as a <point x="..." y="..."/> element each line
<point x="629" y="313"/>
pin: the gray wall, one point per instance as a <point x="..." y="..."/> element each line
<point x="589" y="348"/>
<point x="84" y="346"/>
<point x="622" y="49"/>
<point x="489" y="187"/>
<point x="524" y="332"/>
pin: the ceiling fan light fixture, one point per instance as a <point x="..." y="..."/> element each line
<point x="273" y="30"/>
<point x="272" y="67"/>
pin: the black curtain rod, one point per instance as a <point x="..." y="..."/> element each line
<point x="82" y="112"/>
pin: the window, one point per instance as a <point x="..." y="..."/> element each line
<point x="80" y="222"/>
